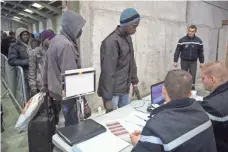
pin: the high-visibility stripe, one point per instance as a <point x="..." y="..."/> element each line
<point x="220" y="119"/>
<point x="190" y="43"/>
<point x="178" y="141"/>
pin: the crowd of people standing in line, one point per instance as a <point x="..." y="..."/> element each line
<point x="181" y="124"/>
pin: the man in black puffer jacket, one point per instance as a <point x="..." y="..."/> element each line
<point x="6" y="43"/>
<point x="189" y="48"/>
<point x="18" y="52"/>
<point x="215" y="79"/>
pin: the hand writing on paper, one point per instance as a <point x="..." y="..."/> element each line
<point x="135" y="137"/>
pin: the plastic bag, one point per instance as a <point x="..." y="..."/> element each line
<point x="30" y="110"/>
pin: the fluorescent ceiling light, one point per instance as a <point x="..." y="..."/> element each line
<point x="28" y="10"/>
<point x="15" y="17"/>
<point x="22" y="14"/>
<point x="37" y="5"/>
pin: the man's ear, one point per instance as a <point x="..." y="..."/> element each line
<point x="213" y="79"/>
<point x="164" y="92"/>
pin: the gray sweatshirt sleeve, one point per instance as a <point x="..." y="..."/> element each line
<point x="66" y="58"/>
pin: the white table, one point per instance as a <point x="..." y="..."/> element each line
<point x="117" y="114"/>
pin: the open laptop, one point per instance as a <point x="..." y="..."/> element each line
<point x="156" y="93"/>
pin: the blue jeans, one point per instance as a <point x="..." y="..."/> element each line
<point x="70" y="112"/>
<point x="120" y="101"/>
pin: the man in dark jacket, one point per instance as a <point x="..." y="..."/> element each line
<point x="6" y="43"/>
<point x="118" y="68"/>
<point x="18" y="52"/>
<point x="180" y="125"/>
<point x="215" y="79"/>
<point x="63" y="54"/>
<point x="189" y="48"/>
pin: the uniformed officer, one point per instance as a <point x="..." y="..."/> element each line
<point x="179" y="125"/>
<point x="215" y="79"/>
<point x="189" y="48"/>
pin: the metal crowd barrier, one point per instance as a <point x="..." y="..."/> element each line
<point x="14" y="81"/>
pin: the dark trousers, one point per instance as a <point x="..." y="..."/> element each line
<point x="69" y="108"/>
<point x="191" y="67"/>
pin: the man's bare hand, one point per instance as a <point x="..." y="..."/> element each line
<point x="108" y="106"/>
<point x="135" y="137"/>
<point x="175" y="64"/>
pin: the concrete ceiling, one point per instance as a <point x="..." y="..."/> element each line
<point x="220" y="4"/>
<point x="12" y="9"/>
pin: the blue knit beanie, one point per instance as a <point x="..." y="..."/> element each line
<point x="129" y="16"/>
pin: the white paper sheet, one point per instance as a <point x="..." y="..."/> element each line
<point x="105" y="142"/>
<point x="137" y="119"/>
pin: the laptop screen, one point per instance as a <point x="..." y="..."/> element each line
<point x="156" y="93"/>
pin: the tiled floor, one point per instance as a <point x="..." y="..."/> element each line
<point x="11" y="141"/>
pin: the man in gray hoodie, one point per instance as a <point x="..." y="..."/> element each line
<point x="62" y="55"/>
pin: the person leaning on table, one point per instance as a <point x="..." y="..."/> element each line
<point x="118" y="66"/>
<point x="179" y="125"/>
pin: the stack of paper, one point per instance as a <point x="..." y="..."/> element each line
<point x="105" y="142"/>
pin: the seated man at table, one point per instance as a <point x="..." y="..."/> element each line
<point x="215" y="79"/>
<point x="180" y="125"/>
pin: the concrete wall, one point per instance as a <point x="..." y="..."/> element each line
<point x="162" y="25"/>
<point x="58" y="24"/>
<point x="49" y="24"/>
<point x="223" y="43"/>
<point x="8" y="25"/>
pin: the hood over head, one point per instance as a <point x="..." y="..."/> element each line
<point x="72" y="23"/>
<point x="18" y="33"/>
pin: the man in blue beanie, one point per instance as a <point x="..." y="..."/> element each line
<point x="118" y="67"/>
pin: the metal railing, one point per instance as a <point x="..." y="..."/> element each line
<point x="14" y="81"/>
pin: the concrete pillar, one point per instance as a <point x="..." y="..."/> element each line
<point x="44" y="25"/>
<point x="30" y="28"/>
<point x="53" y="22"/>
<point x="37" y="26"/>
<point x="70" y="5"/>
<point x="10" y="26"/>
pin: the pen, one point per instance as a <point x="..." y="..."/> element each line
<point x="140" y="118"/>
<point x="134" y="123"/>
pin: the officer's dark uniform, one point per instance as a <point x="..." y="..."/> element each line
<point x="178" y="126"/>
<point x="216" y="105"/>
<point x="189" y="49"/>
